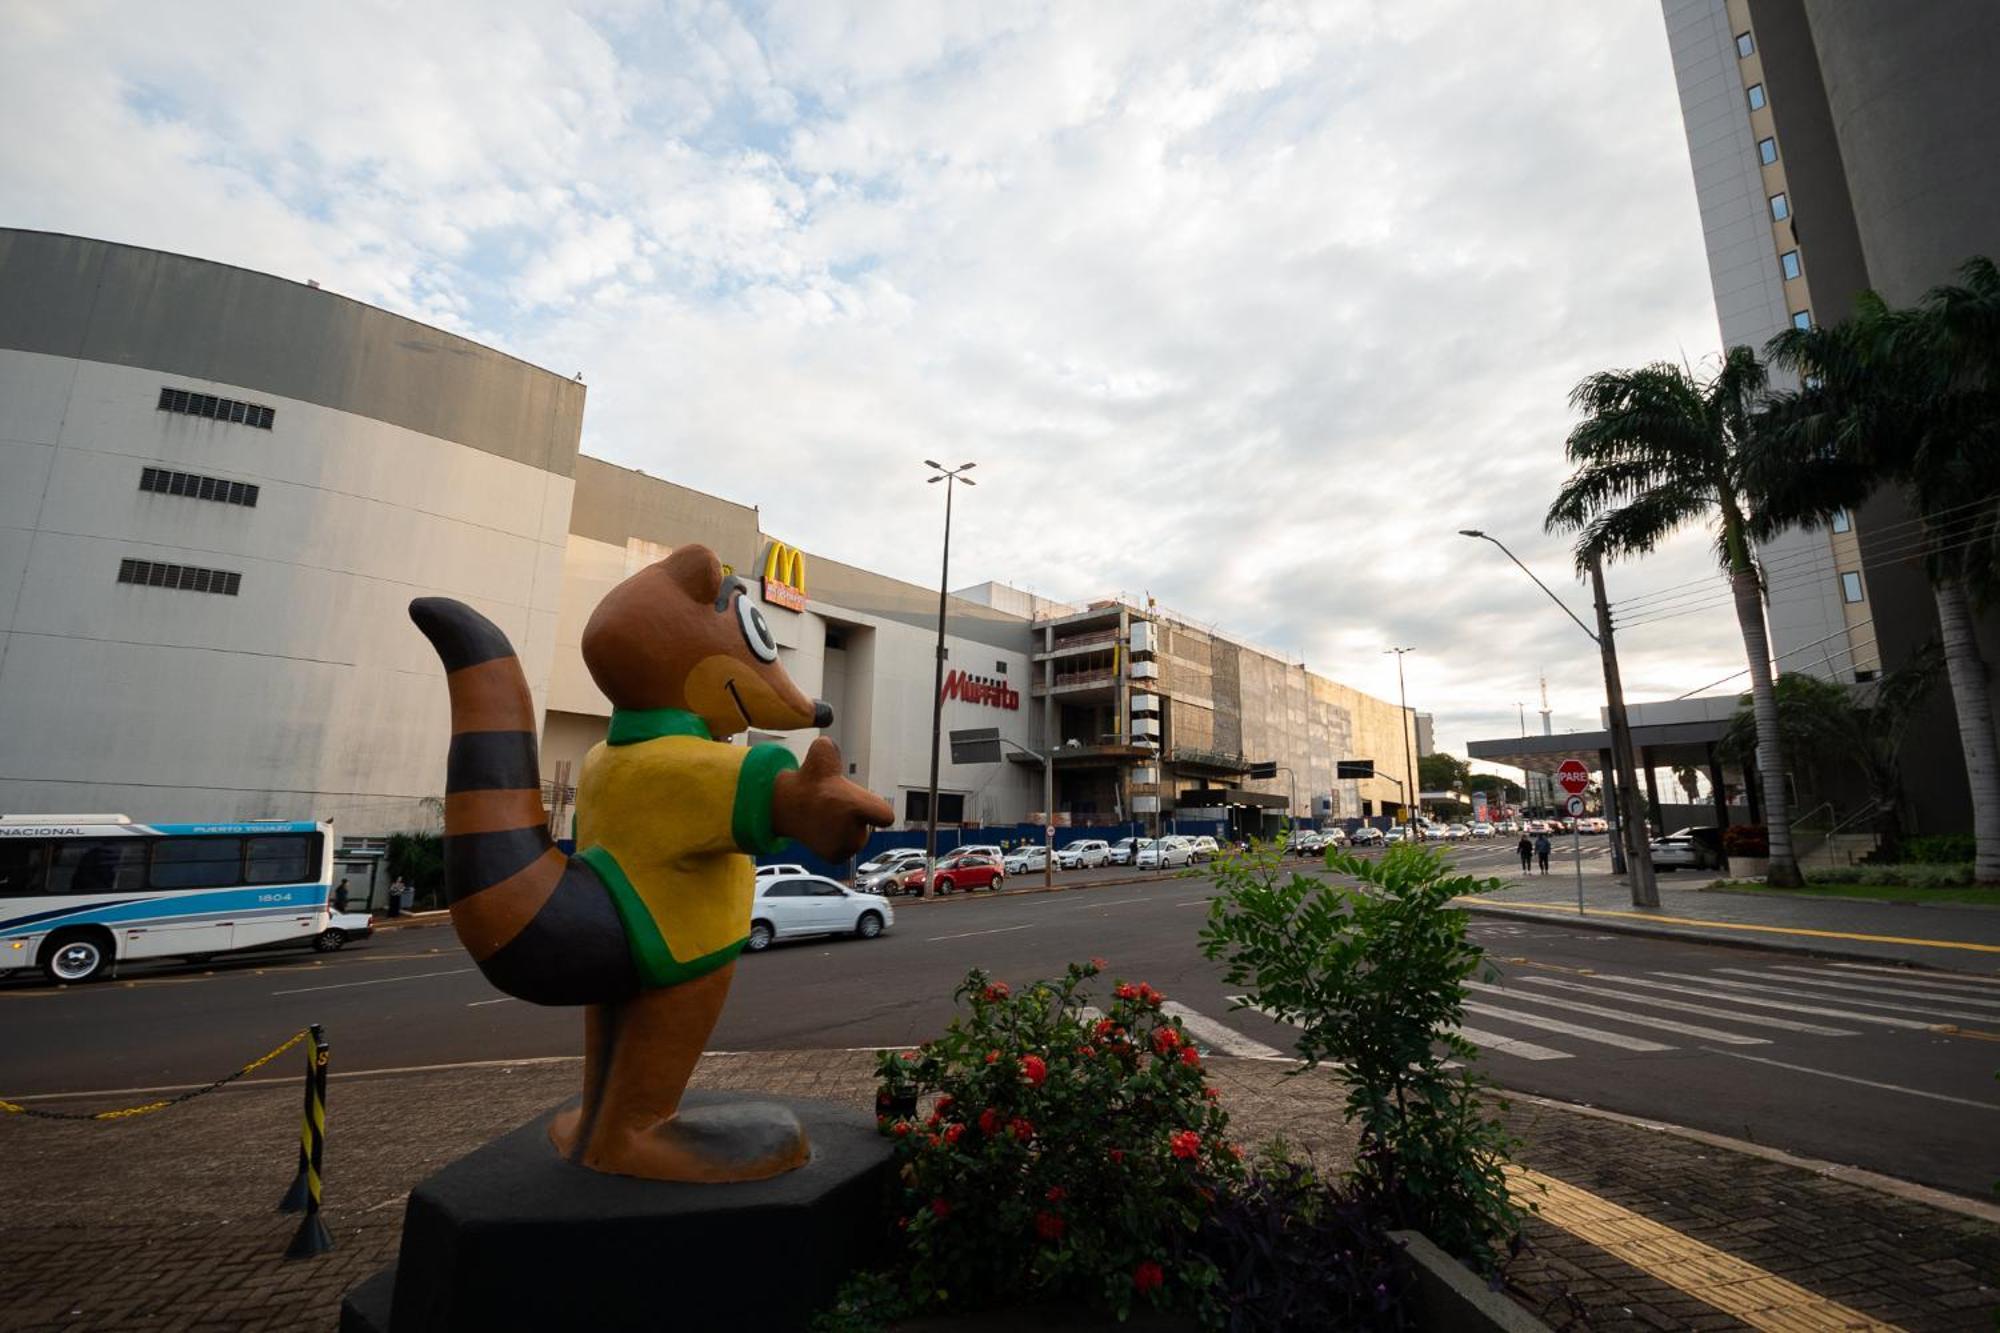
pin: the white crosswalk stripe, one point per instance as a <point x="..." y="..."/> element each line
<point x="1914" y="988"/>
<point x="1622" y="1016"/>
<point x="1758" y="1002"/>
<point x="1526" y="1050"/>
<point x="1766" y="988"/>
<point x="1957" y="979"/>
<point x="1685" y="1007"/>
<point x="1218" y="1036"/>
<point x="1598" y="1035"/>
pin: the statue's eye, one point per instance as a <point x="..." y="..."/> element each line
<point x="755" y="632"/>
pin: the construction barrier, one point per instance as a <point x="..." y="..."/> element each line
<point x="311" y="1237"/>
<point x="126" y="1113"/>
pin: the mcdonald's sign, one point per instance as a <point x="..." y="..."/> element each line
<point x="785" y="577"/>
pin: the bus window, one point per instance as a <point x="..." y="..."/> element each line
<point x="99" y="865"/>
<point x="280" y="859"/>
<point x="23" y="867"/>
<point x="197" y="863"/>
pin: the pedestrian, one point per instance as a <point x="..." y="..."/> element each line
<point x="1542" y="851"/>
<point x="340" y="896"/>
<point x="396" y="891"/>
<point x="1525" y="849"/>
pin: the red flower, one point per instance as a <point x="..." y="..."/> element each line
<point x="1164" y="1040"/>
<point x="997" y="991"/>
<point x="993" y="1057"/>
<point x="1210" y="1093"/>
<point x="911" y="1056"/>
<point x="1056" y="1194"/>
<point x="1117" y="1157"/>
<point x="1021" y="1129"/>
<point x="1099" y="964"/>
<point x="900" y="1128"/>
<point x="944" y="1103"/>
<point x="1105" y="1027"/>
<point x="1036" y="1069"/>
<point x="1147" y="1276"/>
<point x="952" y="1133"/>
<point x="1185" y="1144"/>
<point x="933" y="1140"/>
<point x="1048" y="1226"/>
<point x="1126" y="991"/>
<point x="1191" y="1057"/>
<point x="933" y="1121"/>
<point x="989" y="1122"/>
<point x="1236" y="1152"/>
<point x="1149" y="996"/>
<point x="1086" y="1051"/>
<point x="940" y="1209"/>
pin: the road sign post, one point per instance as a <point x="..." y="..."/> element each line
<point x="1575" y="808"/>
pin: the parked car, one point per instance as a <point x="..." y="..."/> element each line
<point x="1483" y="830"/>
<point x="1205" y="848"/>
<point x="1398" y="833"/>
<point x="1458" y="832"/>
<point x="342" y="927"/>
<point x="1367" y="835"/>
<point x="1695" y="848"/>
<point x="790" y="906"/>
<point x="981" y="849"/>
<point x="1305" y="842"/>
<point x="1083" y="854"/>
<point x="1538" y="826"/>
<point x="1165" y="854"/>
<point x="963" y="869"/>
<point x="1597" y="824"/>
<point x="1123" y="850"/>
<point x="1022" y="860"/>
<point x="894" y="860"/>
<point x="781" y="868"/>
<point x="1335" y="837"/>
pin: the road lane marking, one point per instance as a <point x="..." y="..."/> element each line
<point x="1894" y="991"/>
<point x="378" y="981"/>
<point x="1526" y="1050"/>
<point x="1569" y="911"/>
<point x="1622" y="1016"/>
<point x="1194" y="902"/>
<point x="1970" y="980"/>
<point x="1864" y="1082"/>
<point x="1739" y="997"/>
<point x="1763" y="988"/>
<point x="1221" y="1037"/>
<point x="1682" y="1006"/>
<point x="1758" y="1298"/>
<point x="1602" y="1038"/>
<point x="968" y="934"/>
<point x="504" y="999"/>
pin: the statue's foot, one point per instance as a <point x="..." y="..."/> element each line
<point x="705" y="1144"/>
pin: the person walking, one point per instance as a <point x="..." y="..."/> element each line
<point x="1525" y="849"/>
<point x="1542" y="851"/>
<point x="340" y="896"/>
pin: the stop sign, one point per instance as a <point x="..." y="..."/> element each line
<point x="1573" y="776"/>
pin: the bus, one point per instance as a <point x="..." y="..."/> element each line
<point x="81" y="893"/>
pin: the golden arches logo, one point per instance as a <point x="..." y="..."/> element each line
<point x="785" y="576"/>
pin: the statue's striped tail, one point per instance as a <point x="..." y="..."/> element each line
<point x="540" y="925"/>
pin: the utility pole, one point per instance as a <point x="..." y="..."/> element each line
<point x="1638" y="854"/>
<point x="1411" y="793"/>
<point x="947" y="476"/>
<point x="1048" y="759"/>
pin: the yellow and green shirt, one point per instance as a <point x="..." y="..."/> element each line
<point x="665" y="815"/>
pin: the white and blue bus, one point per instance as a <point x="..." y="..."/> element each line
<point x="79" y="893"/>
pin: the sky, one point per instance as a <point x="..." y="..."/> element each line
<point x="1246" y="307"/>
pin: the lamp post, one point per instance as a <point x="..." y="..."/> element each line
<point x="946" y="475"/>
<point x="1411" y="792"/>
<point x="1638" y="854"/>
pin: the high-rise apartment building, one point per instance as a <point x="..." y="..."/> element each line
<point x="1841" y="146"/>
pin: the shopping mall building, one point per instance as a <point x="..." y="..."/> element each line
<point x="219" y="491"/>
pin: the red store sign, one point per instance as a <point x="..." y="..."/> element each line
<point x="979" y="690"/>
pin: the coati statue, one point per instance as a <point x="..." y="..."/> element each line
<point x="644" y="923"/>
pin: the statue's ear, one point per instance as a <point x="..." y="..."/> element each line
<point x="697" y="571"/>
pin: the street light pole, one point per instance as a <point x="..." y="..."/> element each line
<point x="1409" y="746"/>
<point x="947" y="476"/>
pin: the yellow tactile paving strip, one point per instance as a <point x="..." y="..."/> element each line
<point x="1743" y="1290"/>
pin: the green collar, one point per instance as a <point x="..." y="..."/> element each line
<point x="629" y="726"/>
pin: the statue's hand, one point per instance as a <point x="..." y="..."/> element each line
<point x="819" y="807"/>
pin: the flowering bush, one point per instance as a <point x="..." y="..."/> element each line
<point x="1065" y="1156"/>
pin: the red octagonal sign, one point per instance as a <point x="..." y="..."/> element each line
<point x="1573" y="776"/>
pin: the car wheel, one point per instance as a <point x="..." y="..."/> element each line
<point x="329" y="940"/>
<point x="999" y="883"/>
<point x="944" y="886"/>
<point x="76" y="957"/>
<point x="760" y="937"/>
<point x="869" y="926"/>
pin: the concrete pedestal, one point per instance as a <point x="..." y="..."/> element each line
<point x="513" y="1237"/>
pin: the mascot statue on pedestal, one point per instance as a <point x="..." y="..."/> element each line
<point x="644" y="923"/>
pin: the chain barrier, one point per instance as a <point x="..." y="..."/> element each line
<point x="129" y="1112"/>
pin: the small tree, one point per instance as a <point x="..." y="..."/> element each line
<point x="1374" y="978"/>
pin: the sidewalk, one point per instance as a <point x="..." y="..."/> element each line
<point x="1943" y="935"/>
<point x="166" y="1222"/>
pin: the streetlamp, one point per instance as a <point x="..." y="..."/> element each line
<point x="1409" y="752"/>
<point x="946" y="475"/>
<point x="1638" y="855"/>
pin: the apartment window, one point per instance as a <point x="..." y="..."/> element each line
<point x="1842" y="522"/>
<point x="1789" y="261"/>
<point x="1756" y="97"/>
<point x="1850" y="587"/>
<point x="1000" y="668"/>
<point x="1802" y="319"/>
<point x="185" y="578"/>
<point x="188" y="403"/>
<point x="1781" y="207"/>
<point x="1744" y="46"/>
<point x="165" y="481"/>
<point x="1767" y="151"/>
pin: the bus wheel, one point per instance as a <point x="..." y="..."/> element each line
<point x="72" y="957"/>
<point x="329" y="940"/>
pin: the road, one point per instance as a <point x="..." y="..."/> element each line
<point x="1881" y="1068"/>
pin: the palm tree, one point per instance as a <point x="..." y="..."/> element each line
<point x="1658" y="449"/>
<point x="1911" y="397"/>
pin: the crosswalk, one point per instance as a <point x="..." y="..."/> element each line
<point x="1526" y="1014"/>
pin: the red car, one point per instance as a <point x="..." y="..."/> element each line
<point x="960" y="870"/>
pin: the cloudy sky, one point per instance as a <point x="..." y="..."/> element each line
<point x="1249" y="307"/>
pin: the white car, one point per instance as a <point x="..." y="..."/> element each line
<point x="1083" y="854"/>
<point x="782" y="868"/>
<point x="1166" y="853"/>
<point x="1400" y="833"/>
<point x="1457" y="832"/>
<point x="1123" y="850"/>
<point x="1024" y="859"/>
<point x="980" y="849"/>
<point x="790" y="906"/>
<point x="1483" y="830"/>
<point x="1334" y="837"/>
<point x="342" y="927"/>
<point x="887" y="870"/>
<point x="1205" y="848"/>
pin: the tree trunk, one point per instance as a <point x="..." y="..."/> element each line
<point x="1974" y="704"/>
<point x="1784" y="870"/>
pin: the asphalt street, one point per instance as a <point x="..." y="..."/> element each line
<point x="1882" y="1068"/>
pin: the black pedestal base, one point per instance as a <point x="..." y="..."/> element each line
<point x="513" y="1237"/>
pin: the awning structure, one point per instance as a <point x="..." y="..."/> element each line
<point x="1667" y="745"/>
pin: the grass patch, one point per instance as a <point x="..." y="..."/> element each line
<point x="1978" y="895"/>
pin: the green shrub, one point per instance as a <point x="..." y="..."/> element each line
<point x="1937" y="849"/>
<point x="1746" y="840"/>
<point x="419" y="859"/>
<point x="1912" y="876"/>
<point x="1374" y="978"/>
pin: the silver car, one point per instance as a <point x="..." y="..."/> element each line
<point x="1024" y="859"/>
<point x="791" y="906"/>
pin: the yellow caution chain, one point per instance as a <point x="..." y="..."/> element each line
<point x="126" y="1113"/>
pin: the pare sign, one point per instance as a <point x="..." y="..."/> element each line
<point x="980" y="690"/>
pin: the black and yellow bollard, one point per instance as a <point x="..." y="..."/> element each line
<point x="312" y="1237"/>
<point x="295" y="1195"/>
